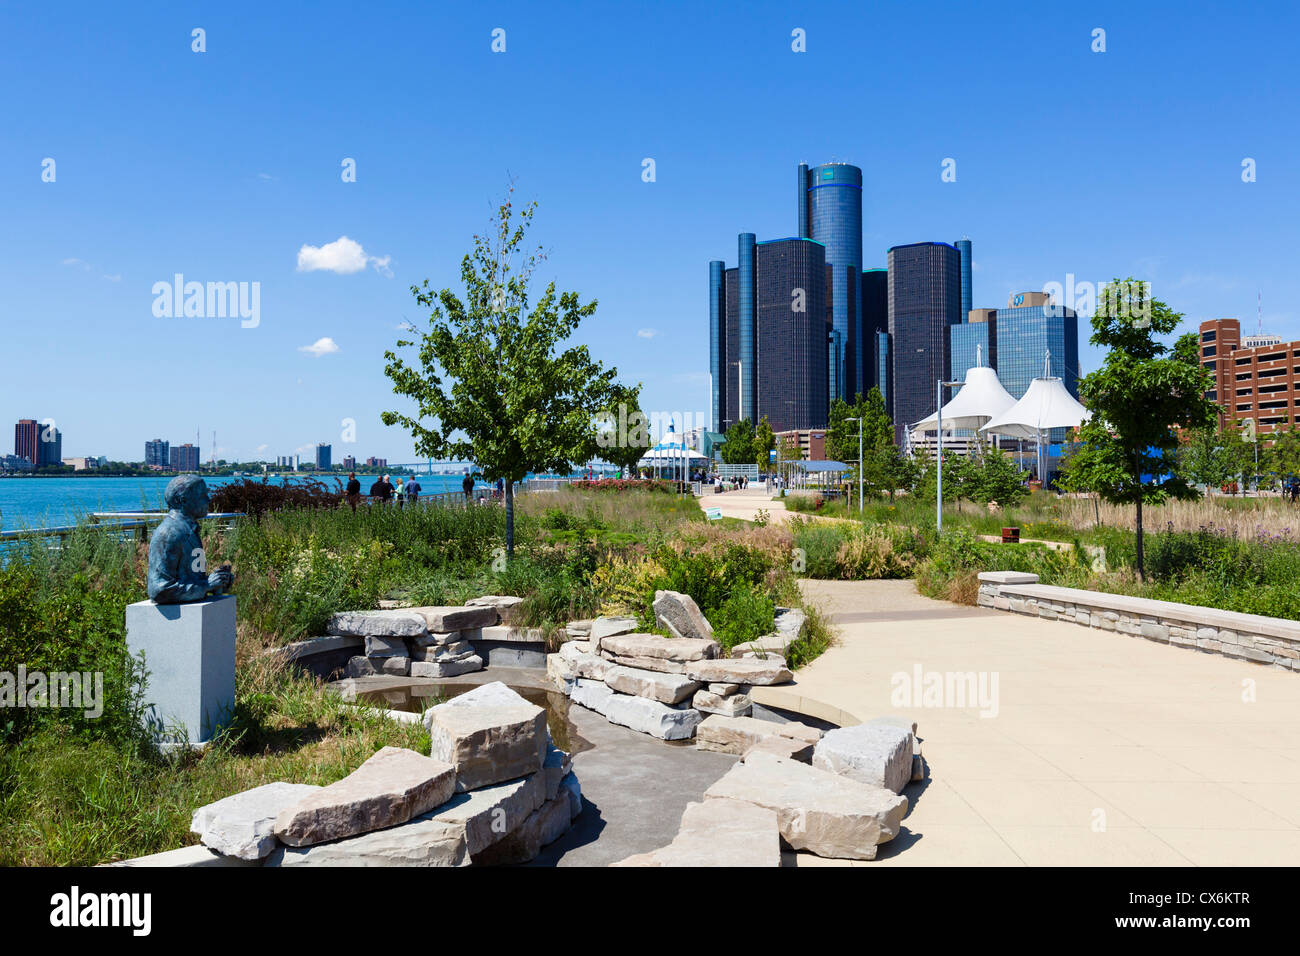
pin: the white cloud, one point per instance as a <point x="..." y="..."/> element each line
<point x="647" y="333"/>
<point x="343" y="256"/>
<point x="262" y="447"/>
<point x="114" y="278"/>
<point x="322" y="346"/>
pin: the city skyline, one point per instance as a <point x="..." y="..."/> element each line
<point x="1069" y="178"/>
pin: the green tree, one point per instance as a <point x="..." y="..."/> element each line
<point x="1209" y="456"/>
<point x="738" y="449"/>
<point x="1283" y="455"/>
<point x="1141" y="394"/>
<point x="997" y="478"/>
<point x="486" y="379"/>
<point x="763" y="445"/>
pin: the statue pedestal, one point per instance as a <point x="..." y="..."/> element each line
<point x="189" y="653"/>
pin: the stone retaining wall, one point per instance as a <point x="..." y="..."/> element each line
<point x="1250" y="637"/>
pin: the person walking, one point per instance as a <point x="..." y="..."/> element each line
<point x="413" y="490"/>
<point x="467" y="486"/>
<point x="398" y="491"/>
<point x="353" y="491"/>
<point x="377" y="490"/>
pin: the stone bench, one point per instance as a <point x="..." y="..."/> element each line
<point x="1251" y="637"/>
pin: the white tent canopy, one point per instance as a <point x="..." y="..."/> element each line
<point x="1045" y="405"/>
<point x="979" y="400"/>
<point x="672" y="452"/>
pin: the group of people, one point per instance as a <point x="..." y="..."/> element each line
<point x="383" y="491"/>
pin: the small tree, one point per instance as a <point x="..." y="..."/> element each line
<point x="1208" y="456"/>
<point x="487" y="383"/>
<point x="764" y="443"/>
<point x="1141" y="394"/>
<point x="738" y="449"/>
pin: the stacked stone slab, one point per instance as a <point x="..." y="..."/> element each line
<point x="719" y="832"/>
<point x="496" y="790"/>
<point x="818" y="811"/>
<point x="739" y="735"/>
<point x="674" y="680"/>
<point x="427" y="641"/>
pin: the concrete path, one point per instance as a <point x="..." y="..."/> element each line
<point x="747" y="503"/>
<point x="1097" y="748"/>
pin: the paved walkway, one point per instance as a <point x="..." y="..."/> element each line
<point x="1105" y="749"/>
<point x="747" y="503"/>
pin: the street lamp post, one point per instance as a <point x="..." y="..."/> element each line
<point x="859" y="421"/>
<point x="939" y="386"/>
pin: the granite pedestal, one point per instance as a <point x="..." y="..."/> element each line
<point x="189" y="653"/>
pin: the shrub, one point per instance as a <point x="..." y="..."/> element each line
<point x="869" y="552"/>
<point x="820" y="542"/>
<point x="256" y="498"/>
<point x="747" y="614"/>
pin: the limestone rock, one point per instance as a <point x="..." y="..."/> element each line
<point x="425" y="641"/>
<point x="490" y="813"/>
<point x="243" y="825"/>
<point x="423" y="841"/>
<point x="772" y="645"/>
<point x="719" y="832"/>
<point x="557" y="766"/>
<point x="569" y="785"/>
<point x="878" y="754"/>
<point x="507" y="606"/>
<point x="396" y="623"/>
<point x="489" y="734"/>
<point x="681" y="616"/>
<point x="578" y="630"/>
<point x="818" y="811"/>
<point x="651" y="717"/>
<point x="660" y="664"/>
<point x="735" y="735"/>
<point x="680" y="649"/>
<point x="560" y="673"/>
<point x="392" y="666"/>
<point x="603" y="627"/>
<point x="544" y="825"/>
<point x="739" y="671"/>
<point x="583" y="664"/>
<point x="665" y="688"/>
<point x="456" y="618"/>
<point x="393" y="786"/>
<point x="453" y="650"/>
<point x="790" y="621"/>
<point x="788" y="747"/>
<point x="592" y="694"/>
<point x="736" y="705"/>
<point x="381" y="645"/>
<point x="507" y="634"/>
<point x="361" y="667"/>
<point x="447" y="668"/>
<point x="723" y="689"/>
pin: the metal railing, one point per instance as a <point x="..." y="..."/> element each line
<point x="120" y="522"/>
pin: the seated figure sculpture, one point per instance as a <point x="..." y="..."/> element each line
<point x="177" y="561"/>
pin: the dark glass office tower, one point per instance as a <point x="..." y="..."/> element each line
<point x="963" y="248"/>
<point x="791" y="334"/>
<point x="924" y="300"/>
<point x="787" y="359"/>
<point x="875" y="320"/>
<point x="717" y="342"/>
<point x="830" y="212"/>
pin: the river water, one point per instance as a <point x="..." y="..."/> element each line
<point x="46" y="502"/>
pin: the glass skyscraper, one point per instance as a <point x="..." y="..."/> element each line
<point x="875" y="322"/>
<point x="830" y="212"/>
<point x="781" y="309"/>
<point x="924" y="301"/>
<point x="971" y="344"/>
<point x="963" y="247"/>
<point x="1026" y="335"/>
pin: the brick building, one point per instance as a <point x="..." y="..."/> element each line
<point x="1258" y="382"/>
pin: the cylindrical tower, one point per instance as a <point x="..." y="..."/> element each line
<point x="746" y="279"/>
<point x="717" y="343"/>
<point x="834" y="212"/>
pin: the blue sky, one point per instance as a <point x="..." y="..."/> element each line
<point x="222" y="165"/>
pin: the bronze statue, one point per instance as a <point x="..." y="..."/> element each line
<point x="177" y="562"/>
